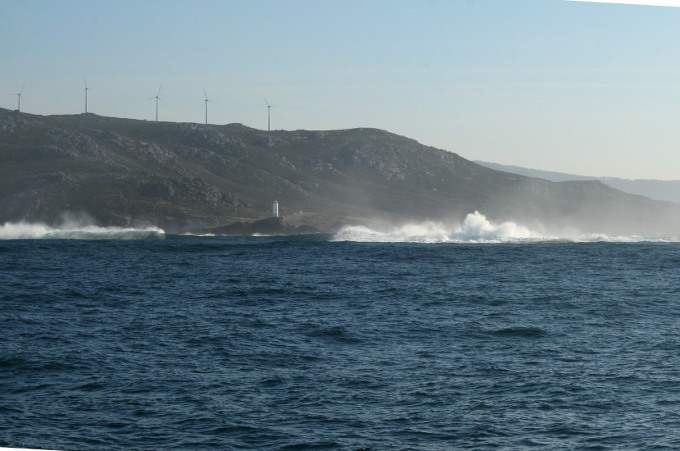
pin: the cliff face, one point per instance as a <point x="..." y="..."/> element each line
<point x="183" y="176"/>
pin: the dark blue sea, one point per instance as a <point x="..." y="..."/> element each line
<point x="316" y="342"/>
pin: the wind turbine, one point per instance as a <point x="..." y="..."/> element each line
<point x="269" y="115"/>
<point x="157" y="99"/>
<point x="85" y="91"/>
<point x="18" y="94"/>
<point x="206" y="106"/>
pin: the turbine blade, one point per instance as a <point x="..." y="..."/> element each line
<point x="265" y="101"/>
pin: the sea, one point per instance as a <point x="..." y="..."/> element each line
<point x="422" y="337"/>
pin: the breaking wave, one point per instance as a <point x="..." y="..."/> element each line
<point x="24" y="230"/>
<point x="476" y="228"/>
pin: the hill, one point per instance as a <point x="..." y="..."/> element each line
<point x="184" y="176"/>
<point x="665" y="190"/>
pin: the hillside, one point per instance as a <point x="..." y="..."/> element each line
<point x="183" y="176"/>
<point x="665" y="190"/>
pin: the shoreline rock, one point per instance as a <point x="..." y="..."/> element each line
<point x="267" y="226"/>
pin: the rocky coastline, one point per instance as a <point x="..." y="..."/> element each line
<point x="268" y="226"/>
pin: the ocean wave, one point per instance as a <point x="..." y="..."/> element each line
<point x="476" y="228"/>
<point x="24" y="230"/>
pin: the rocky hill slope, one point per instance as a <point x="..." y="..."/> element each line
<point x="183" y="176"/>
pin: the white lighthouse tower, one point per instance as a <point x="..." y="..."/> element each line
<point x="275" y="209"/>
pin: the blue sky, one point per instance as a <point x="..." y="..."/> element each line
<point x="586" y="88"/>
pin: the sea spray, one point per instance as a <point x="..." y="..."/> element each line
<point x="475" y="228"/>
<point x="428" y="232"/>
<point x="25" y="230"/>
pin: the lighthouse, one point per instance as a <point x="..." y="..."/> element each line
<point x="275" y="209"/>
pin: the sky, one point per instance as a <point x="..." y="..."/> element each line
<point x="589" y="88"/>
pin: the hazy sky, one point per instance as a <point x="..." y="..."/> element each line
<point x="586" y="88"/>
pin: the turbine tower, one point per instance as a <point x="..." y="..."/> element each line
<point x="18" y="94"/>
<point x="86" y="89"/>
<point x="206" y="106"/>
<point x="269" y="113"/>
<point x="157" y="99"/>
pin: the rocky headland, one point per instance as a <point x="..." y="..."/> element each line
<point x="193" y="177"/>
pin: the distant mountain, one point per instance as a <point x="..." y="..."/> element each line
<point x="666" y="190"/>
<point x="184" y="176"/>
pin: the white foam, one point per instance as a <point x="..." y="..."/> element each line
<point x="476" y="228"/>
<point x="24" y="230"/>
